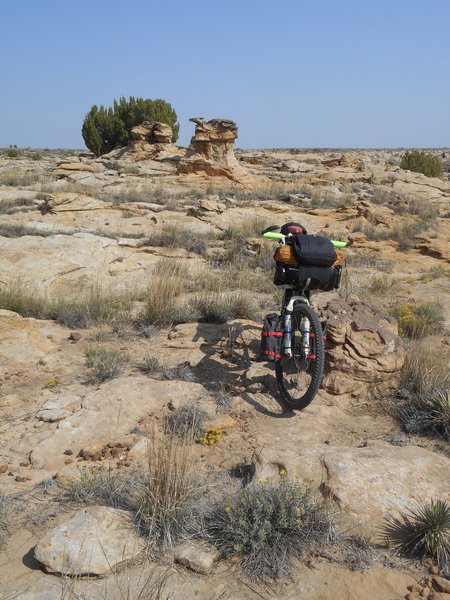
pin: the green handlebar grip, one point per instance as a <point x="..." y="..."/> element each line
<point x="272" y="235"/>
<point x="339" y="244"/>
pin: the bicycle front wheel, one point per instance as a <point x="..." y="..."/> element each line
<point x="300" y="375"/>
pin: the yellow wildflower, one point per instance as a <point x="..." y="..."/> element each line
<point x="282" y="472"/>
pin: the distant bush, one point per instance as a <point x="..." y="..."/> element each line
<point x="13" y="152"/>
<point x="421" y="162"/>
<point x="107" y="128"/>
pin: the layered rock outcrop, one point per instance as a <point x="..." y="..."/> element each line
<point x="212" y="151"/>
<point x="152" y="132"/>
<point x="362" y="347"/>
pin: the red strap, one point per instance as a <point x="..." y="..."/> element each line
<point x="271" y="333"/>
<point x="270" y="353"/>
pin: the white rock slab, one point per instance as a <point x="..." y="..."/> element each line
<point x="94" y="541"/>
<point x="109" y="413"/>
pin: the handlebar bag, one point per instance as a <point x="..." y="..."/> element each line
<point x="314" y="250"/>
<point x="271" y="337"/>
<point x="307" y="278"/>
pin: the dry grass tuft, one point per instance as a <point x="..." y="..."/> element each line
<point x="168" y="500"/>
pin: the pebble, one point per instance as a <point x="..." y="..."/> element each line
<point x="3" y="468"/>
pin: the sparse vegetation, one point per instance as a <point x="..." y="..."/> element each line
<point x="220" y="308"/>
<point x="104" y="362"/>
<point x="381" y="285"/>
<point x="150" y="364"/>
<point x="178" y="236"/>
<point x="93" y="306"/>
<point x="423" y="531"/>
<point x="422" y="162"/>
<point x="102" y="486"/>
<point x="167" y="507"/>
<point x="420" y="319"/>
<point x="187" y="422"/>
<point x="422" y="404"/>
<point x="182" y="372"/>
<point x="268" y="525"/>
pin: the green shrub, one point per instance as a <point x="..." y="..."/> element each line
<point x="421" y="162"/>
<point x="13" y="152"/>
<point x="268" y="525"/>
<point x="424" y="531"/>
<point x="107" y="128"/>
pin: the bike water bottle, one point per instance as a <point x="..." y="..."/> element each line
<point x="305" y="335"/>
<point x="287" y="337"/>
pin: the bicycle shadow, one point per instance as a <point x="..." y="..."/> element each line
<point x="232" y="363"/>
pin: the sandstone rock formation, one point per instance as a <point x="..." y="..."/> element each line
<point x="212" y="151"/>
<point x="363" y="347"/>
<point x="92" y="542"/>
<point x="152" y="132"/>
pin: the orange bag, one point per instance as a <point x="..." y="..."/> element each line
<point x="284" y="254"/>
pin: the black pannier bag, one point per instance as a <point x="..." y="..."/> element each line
<point x="305" y="278"/>
<point x="271" y="337"/>
<point x="313" y="250"/>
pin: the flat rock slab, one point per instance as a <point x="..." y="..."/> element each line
<point x="110" y="413"/>
<point x="93" y="541"/>
<point x="366" y="482"/>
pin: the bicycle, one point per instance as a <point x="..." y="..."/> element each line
<point x="300" y="360"/>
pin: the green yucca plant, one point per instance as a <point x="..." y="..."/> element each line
<point x="424" y="531"/>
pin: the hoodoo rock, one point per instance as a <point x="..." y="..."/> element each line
<point x="212" y="151"/>
<point x="362" y="347"/>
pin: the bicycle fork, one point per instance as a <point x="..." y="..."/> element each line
<point x="286" y="348"/>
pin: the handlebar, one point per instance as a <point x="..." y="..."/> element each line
<point x="272" y="235"/>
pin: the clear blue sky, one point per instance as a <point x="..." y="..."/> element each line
<point x="316" y="73"/>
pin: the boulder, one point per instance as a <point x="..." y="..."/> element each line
<point x="196" y="556"/>
<point x="366" y="482"/>
<point x="363" y="347"/>
<point x="92" y="542"/>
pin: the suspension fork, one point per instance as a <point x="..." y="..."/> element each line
<point x="288" y="308"/>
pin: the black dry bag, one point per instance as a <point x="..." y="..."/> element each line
<point x="313" y="250"/>
<point x="271" y="337"/>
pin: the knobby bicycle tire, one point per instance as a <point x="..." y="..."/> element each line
<point x="299" y="379"/>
